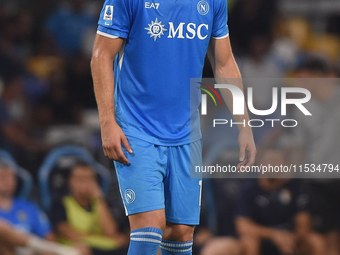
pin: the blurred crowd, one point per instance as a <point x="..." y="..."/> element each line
<point x="47" y="100"/>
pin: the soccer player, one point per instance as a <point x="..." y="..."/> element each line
<point x="148" y="127"/>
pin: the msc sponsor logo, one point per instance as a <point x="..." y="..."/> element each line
<point x="156" y="29"/>
<point x="189" y="31"/>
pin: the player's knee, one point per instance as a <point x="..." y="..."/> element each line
<point x="180" y="233"/>
<point x="154" y="219"/>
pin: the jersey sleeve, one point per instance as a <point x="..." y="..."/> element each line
<point x="115" y="19"/>
<point x="220" y="27"/>
<point x="41" y="225"/>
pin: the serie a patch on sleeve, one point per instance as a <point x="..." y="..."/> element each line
<point x="108" y="14"/>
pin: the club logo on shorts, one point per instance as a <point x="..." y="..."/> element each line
<point x="156" y="29"/>
<point x="203" y="7"/>
<point x="130" y="196"/>
<point x="108" y="15"/>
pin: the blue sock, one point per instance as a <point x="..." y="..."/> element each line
<point x="173" y="248"/>
<point x="145" y="241"/>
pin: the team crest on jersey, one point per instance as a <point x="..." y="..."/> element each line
<point x="108" y="15"/>
<point x="203" y="7"/>
<point x="156" y="29"/>
<point x="130" y="196"/>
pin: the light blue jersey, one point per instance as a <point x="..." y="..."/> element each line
<point x="165" y="46"/>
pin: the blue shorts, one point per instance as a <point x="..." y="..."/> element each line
<point x="159" y="177"/>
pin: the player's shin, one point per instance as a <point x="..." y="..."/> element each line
<point x="145" y="241"/>
<point x="174" y="248"/>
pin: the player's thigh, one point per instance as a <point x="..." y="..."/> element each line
<point x="183" y="193"/>
<point x="223" y="246"/>
<point x="141" y="182"/>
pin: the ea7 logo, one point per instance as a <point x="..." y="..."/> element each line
<point x="238" y="100"/>
<point x="149" y="5"/>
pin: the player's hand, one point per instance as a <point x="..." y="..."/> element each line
<point x="112" y="138"/>
<point x="247" y="148"/>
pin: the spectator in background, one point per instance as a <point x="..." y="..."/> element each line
<point x="69" y="24"/>
<point x="57" y="107"/>
<point x="272" y="215"/>
<point x="259" y="63"/>
<point x="84" y="216"/>
<point x="271" y="218"/>
<point x="22" y="223"/>
<point x="79" y="79"/>
<point x="317" y="142"/>
<point x="250" y="18"/>
<point x="12" y="132"/>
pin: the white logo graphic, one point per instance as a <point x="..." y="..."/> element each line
<point x="203" y="7"/>
<point x="149" y="5"/>
<point x="130" y="196"/>
<point x="156" y="29"/>
<point x="189" y="31"/>
<point x="108" y="15"/>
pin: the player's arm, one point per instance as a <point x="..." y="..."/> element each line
<point x="225" y="67"/>
<point x="104" y="51"/>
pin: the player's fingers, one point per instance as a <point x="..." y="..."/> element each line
<point x="241" y="164"/>
<point x="120" y="157"/>
<point x="242" y="154"/>
<point x="252" y="154"/>
<point x="107" y="152"/>
<point x="126" y="144"/>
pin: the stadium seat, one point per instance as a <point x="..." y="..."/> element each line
<point x="52" y="175"/>
<point x="25" y="181"/>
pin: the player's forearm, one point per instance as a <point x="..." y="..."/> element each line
<point x="103" y="82"/>
<point x="230" y="71"/>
